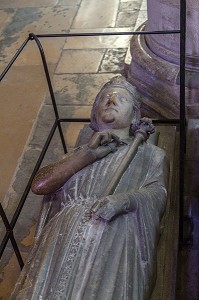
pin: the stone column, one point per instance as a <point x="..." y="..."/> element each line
<point x="154" y="68"/>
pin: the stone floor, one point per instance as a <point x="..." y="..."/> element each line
<point x="78" y="67"/>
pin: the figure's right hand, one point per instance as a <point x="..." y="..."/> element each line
<point x="102" y="143"/>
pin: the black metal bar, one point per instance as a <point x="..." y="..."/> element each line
<point x="166" y="121"/>
<point x="32" y="36"/>
<point x="75" y="120"/>
<point x="11" y="236"/>
<point x="27" y="189"/>
<point x="107" y="33"/>
<point x="14" y="58"/>
<point x="182" y="115"/>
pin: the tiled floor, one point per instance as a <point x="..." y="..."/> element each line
<point x="78" y="67"/>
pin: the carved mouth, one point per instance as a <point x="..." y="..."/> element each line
<point x="111" y="107"/>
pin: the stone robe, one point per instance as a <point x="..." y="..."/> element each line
<point x="78" y="258"/>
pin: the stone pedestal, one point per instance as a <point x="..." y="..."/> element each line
<point x="154" y="68"/>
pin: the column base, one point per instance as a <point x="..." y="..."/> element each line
<point x="158" y="79"/>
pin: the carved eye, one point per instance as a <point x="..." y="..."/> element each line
<point x="122" y="99"/>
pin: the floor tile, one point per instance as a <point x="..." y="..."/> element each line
<point x="127" y="18"/>
<point x="27" y="3"/>
<point x="88" y="18"/>
<point x="111" y="41"/>
<point x="143" y="5"/>
<point x="5" y="17"/>
<point x="73" y="129"/>
<point x="78" y="89"/>
<point x="128" y="56"/>
<point x="23" y="90"/>
<point x="97" y="42"/>
<point x="31" y="56"/>
<point x="142" y="17"/>
<point x="79" y="61"/>
<point x="69" y="2"/>
<point x="130" y="5"/>
<point x="11" y="273"/>
<point x="36" y="20"/>
<point x="113" y="60"/>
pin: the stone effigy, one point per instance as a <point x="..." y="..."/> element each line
<point x="101" y="245"/>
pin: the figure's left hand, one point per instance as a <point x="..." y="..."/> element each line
<point x="109" y="207"/>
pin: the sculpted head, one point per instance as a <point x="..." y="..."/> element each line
<point x="116" y="106"/>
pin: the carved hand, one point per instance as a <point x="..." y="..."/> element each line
<point x="102" y="143"/>
<point x="111" y="206"/>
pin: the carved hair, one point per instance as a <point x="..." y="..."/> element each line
<point x="121" y="82"/>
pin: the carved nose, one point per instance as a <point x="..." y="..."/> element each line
<point x="111" y="100"/>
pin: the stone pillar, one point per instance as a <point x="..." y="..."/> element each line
<point x="154" y="68"/>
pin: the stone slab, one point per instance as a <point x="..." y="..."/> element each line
<point x="144" y="5"/>
<point x="69" y="2"/>
<point x="37" y="20"/>
<point x="142" y="17"/>
<point x="23" y="90"/>
<point x="11" y="273"/>
<point x="31" y="55"/>
<point x="27" y="3"/>
<point x="127" y="18"/>
<point x="5" y="17"/>
<point x="130" y="5"/>
<point x="77" y="89"/>
<point x="44" y="125"/>
<point x="87" y="17"/>
<point x="113" y="60"/>
<point x="97" y="42"/>
<point x="79" y="61"/>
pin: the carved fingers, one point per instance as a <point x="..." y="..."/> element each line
<point x="109" y="207"/>
<point x="102" y="143"/>
<point x="102" y="138"/>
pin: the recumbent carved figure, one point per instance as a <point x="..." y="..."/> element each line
<point x="102" y="243"/>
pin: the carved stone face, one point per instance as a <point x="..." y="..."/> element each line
<point x="115" y="109"/>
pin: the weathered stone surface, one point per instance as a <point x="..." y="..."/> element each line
<point x="26" y="20"/>
<point x="27" y="3"/>
<point x="69" y="2"/>
<point x="22" y="92"/>
<point x="130" y="5"/>
<point x="127" y="18"/>
<point x="87" y="17"/>
<point x="77" y="89"/>
<point x="113" y="61"/>
<point x="79" y="61"/>
<point x="98" y="42"/>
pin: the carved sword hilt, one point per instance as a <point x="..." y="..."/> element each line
<point x="145" y="128"/>
<point x="142" y="132"/>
